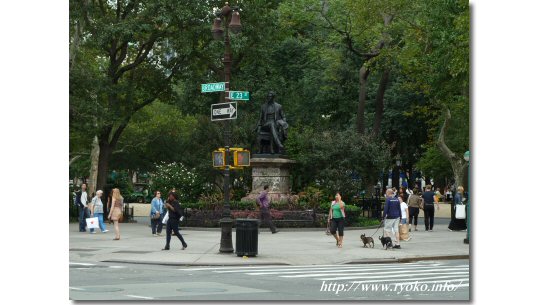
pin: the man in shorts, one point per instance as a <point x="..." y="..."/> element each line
<point x="392" y="215"/>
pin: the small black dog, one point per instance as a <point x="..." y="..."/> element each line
<point x="367" y="240"/>
<point x="386" y="242"/>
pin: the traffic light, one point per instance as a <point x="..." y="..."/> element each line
<point x="241" y="158"/>
<point x="219" y="158"/>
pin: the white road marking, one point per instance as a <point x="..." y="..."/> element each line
<point x="139" y="297"/>
<point x="75" y="288"/>
<point x="343" y="270"/>
<point x="386" y="276"/>
<point x="81" y="264"/>
<point x="378" y="272"/>
<point x="412" y="281"/>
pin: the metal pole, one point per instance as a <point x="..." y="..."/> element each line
<point x="226" y="244"/>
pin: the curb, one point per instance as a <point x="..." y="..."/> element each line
<point x="252" y="263"/>
<point x="179" y="264"/>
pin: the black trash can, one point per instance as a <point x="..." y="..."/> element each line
<point x="246" y="237"/>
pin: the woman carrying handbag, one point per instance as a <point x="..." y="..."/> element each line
<point x="458" y="223"/>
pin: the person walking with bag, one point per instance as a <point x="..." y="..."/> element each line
<point x="337" y="216"/>
<point x="96" y="210"/>
<point x="414" y="208"/>
<point x="404" y="226"/>
<point x="264" y="200"/>
<point x="156" y="214"/>
<point x="116" y="211"/>
<point x="392" y="213"/>
<point x="175" y="215"/>
<point x="458" y="224"/>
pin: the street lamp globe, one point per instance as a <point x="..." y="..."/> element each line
<point x="235" y="24"/>
<point x="467" y="156"/>
<point x="216" y="30"/>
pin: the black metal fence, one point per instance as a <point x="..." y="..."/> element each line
<point x="371" y="207"/>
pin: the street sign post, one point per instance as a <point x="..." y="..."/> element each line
<point x="239" y="95"/>
<point x="224" y="111"/>
<point x="213" y="87"/>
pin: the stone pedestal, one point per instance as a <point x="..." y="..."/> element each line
<point x="272" y="171"/>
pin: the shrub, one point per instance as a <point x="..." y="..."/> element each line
<point x="175" y="175"/>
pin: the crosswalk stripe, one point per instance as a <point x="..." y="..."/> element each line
<point x="436" y="278"/>
<point x="378" y="272"/>
<point x="343" y="270"/>
<point x="384" y="276"/>
<point x="82" y="264"/>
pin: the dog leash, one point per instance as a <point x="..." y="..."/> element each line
<point x="381" y="224"/>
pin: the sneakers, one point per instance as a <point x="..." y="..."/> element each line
<point x="105" y="231"/>
<point x="154" y="235"/>
<point x="276" y="231"/>
<point x="92" y="232"/>
<point x="158" y="234"/>
<point x="397" y="247"/>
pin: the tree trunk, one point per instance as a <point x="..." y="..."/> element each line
<point x="458" y="164"/>
<point x="379" y="100"/>
<point x="94" y="159"/>
<point x="104" y="156"/>
<point x="363" y="79"/>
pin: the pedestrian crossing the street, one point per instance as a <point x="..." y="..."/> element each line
<point x="423" y="272"/>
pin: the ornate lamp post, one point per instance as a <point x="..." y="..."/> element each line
<point x="230" y="17"/>
<point x="467" y="157"/>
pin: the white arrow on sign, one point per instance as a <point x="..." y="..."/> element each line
<point x="223" y="111"/>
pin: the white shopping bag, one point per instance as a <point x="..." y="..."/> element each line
<point x="460" y="211"/>
<point x="165" y="218"/>
<point x="93" y="223"/>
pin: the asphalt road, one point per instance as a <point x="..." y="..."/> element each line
<point x="427" y="280"/>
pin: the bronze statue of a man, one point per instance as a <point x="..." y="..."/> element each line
<point x="272" y="126"/>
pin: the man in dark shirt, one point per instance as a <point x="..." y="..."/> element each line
<point x="392" y="214"/>
<point x="429" y="200"/>
<point x="264" y="200"/>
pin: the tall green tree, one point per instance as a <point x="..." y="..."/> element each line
<point x="123" y="59"/>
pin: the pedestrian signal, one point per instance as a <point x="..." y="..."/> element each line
<point x="219" y="157"/>
<point x="242" y="158"/>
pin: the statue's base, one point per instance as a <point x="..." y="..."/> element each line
<point x="272" y="170"/>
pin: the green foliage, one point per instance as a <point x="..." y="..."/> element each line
<point x="337" y="161"/>
<point x="188" y="184"/>
<point x="294" y="47"/>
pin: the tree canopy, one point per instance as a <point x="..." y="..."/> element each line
<point x="361" y="82"/>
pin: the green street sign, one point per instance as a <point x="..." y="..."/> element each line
<point x="240" y="95"/>
<point x="213" y="87"/>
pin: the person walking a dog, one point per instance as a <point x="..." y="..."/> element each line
<point x="264" y="200"/>
<point x="392" y="214"/>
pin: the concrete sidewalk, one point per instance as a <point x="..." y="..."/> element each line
<point x="288" y="247"/>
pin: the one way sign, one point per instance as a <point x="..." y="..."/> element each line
<point x="224" y="111"/>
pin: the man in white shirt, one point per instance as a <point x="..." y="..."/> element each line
<point x="82" y="203"/>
